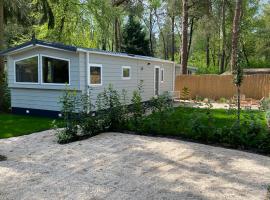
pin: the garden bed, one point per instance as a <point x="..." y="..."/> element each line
<point x="215" y="126"/>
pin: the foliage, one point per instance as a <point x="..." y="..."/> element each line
<point x="134" y="38"/>
<point x="69" y="102"/>
<point x="6" y="95"/>
<point x="238" y="79"/>
<point x="185" y="93"/>
<point x="161" y="106"/>
<point x="110" y="108"/>
<point x="89" y="124"/>
<point x="265" y="104"/>
<point x="137" y="109"/>
<point x="213" y="126"/>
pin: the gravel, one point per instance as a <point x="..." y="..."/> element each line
<point x="121" y="166"/>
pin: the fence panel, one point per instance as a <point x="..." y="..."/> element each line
<point x="217" y="86"/>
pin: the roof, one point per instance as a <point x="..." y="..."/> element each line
<point x="71" y="48"/>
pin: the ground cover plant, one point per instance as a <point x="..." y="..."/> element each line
<point x="158" y="117"/>
<point x="17" y="125"/>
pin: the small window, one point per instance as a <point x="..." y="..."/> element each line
<point x="126" y="73"/>
<point x="55" y="70"/>
<point x="95" y="75"/>
<point x="162" y="76"/>
<point x="27" y="70"/>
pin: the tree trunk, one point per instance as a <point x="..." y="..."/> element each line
<point x="208" y="13"/>
<point x="235" y="33"/>
<point x="173" y="37"/>
<point x="151" y="32"/>
<point x="238" y="104"/>
<point x="2" y="63"/>
<point x="184" y="49"/>
<point x="162" y="36"/>
<point x="223" y="30"/>
<point x="207" y="51"/>
<point x="245" y="54"/>
<point x="117" y="34"/>
<point x="190" y="35"/>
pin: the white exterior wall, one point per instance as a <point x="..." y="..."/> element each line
<point x="46" y="97"/>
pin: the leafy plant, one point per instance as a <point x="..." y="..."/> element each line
<point x="69" y="102"/>
<point x="238" y="79"/>
<point x="89" y="123"/>
<point x="5" y="101"/>
<point x="161" y="105"/>
<point x="137" y="108"/>
<point x="265" y="104"/>
<point x="110" y="108"/>
<point x="185" y="93"/>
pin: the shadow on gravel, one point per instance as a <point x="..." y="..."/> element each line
<point x="3" y="158"/>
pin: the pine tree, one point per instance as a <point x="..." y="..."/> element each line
<point x="134" y="38"/>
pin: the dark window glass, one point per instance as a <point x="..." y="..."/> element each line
<point x="162" y="75"/>
<point x="55" y="70"/>
<point x="27" y="70"/>
<point x="95" y="75"/>
<point x="126" y="72"/>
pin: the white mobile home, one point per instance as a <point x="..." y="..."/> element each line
<point x="39" y="71"/>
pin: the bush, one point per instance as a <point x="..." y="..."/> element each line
<point x="110" y="109"/>
<point x="6" y="95"/>
<point x="70" y="103"/>
<point x="265" y="104"/>
<point x="88" y="122"/>
<point x="137" y="109"/>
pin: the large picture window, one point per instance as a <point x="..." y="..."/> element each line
<point x="55" y="70"/>
<point x="95" y="75"/>
<point x="27" y="70"/>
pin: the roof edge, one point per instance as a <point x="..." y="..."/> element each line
<point x="34" y="42"/>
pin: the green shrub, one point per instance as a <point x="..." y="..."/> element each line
<point x="137" y="109"/>
<point x="70" y="103"/>
<point x="222" y="100"/>
<point x="6" y="95"/>
<point x="265" y="104"/>
<point x="185" y="93"/>
<point x="88" y="122"/>
<point x="110" y="109"/>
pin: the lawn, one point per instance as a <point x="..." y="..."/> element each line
<point x="17" y="125"/>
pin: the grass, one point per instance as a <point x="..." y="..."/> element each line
<point x="182" y="116"/>
<point x="17" y="125"/>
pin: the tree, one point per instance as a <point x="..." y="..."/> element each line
<point x="238" y="79"/>
<point x="223" y="33"/>
<point x="184" y="48"/>
<point x="134" y="38"/>
<point x="236" y="33"/>
<point x="1" y="48"/>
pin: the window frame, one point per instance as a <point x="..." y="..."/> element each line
<point x="89" y="75"/>
<point x="25" y="58"/>
<point x="126" y="67"/>
<point x="41" y="69"/>
<point x="162" y="79"/>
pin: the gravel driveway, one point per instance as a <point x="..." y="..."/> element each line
<point x="120" y="166"/>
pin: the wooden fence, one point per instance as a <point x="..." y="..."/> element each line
<point x="217" y="86"/>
